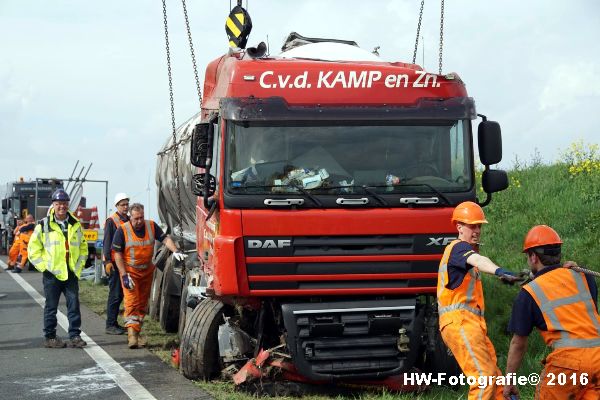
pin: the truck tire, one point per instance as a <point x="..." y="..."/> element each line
<point x="169" y="304"/>
<point x="199" y="341"/>
<point x="161" y="256"/>
<point x="154" y="300"/>
<point x="184" y="310"/>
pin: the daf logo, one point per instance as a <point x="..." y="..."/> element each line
<point x="269" y="244"/>
<point x="440" y="241"/>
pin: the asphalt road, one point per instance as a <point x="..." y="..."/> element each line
<point x="106" y="369"/>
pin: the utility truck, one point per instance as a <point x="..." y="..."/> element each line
<point x="316" y="190"/>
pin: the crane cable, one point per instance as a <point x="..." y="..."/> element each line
<point x="441" y="47"/>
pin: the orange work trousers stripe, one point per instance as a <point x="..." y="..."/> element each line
<point x="466" y="336"/>
<point x="136" y="300"/>
<point x="569" y="364"/>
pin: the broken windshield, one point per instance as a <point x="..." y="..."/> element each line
<point x="328" y="158"/>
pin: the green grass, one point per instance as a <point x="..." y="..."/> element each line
<point x="538" y="194"/>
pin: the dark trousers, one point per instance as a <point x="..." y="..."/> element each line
<point x="115" y="297"/>
<point x="52" y="289"/>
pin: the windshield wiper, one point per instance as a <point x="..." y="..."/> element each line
<point x="371" y="192"/>
<point x="303" y="191"/>
<point x="433" y="189"/>
<point x="307" y="194"/>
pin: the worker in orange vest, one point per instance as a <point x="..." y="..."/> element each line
<point x="133" y="244"/>
<point x="13" y="253"/>
<point x="460" y="300"/>
<point x="22" y="241"/>
<point x="562" y="304"/>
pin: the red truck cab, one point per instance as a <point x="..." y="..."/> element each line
<point x="325" y="191"/>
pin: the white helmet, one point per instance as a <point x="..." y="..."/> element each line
<point x="119" y="197"/>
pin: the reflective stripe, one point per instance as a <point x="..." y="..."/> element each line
<point x="535" y="287"/>
<point x="36" y="261"/>
<point x="579" y="343"/>
<point x="460" y="306"/>
<point x="589" y="303"/>
<point x="142" y="266"/>
<point x="75" y="243"/>
<point x="470" y="350"/>
<point x="132" y="241"/>
<point x="442" y="272"/>
<point x="471" y="287"/>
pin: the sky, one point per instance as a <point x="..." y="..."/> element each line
<point x="87" y="81"/>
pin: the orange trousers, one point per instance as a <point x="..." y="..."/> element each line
<point x="465" y="334"/>
<point x="24" y="241"/>
<point x="14" y="252"/>
<point x="136" y="300"/>
<point x="563" y="375"/>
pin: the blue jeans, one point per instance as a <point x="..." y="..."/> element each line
<point x="115" y="297"/>
<point x="52" y="289"/>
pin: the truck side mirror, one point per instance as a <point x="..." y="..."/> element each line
<point x="201" y="153"/>
<point x="494" y="180"/>
<point x="489" y="140"/>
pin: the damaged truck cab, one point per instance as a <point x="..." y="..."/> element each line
<point x="325" y="189"/>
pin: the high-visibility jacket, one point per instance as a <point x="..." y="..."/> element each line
<point x="24" y="238"/>
<point x="467" y="296"/>
<point x="49" y="251"/>
<point x="564" y="299"/>
<point x="138" y="252"/>
<point x="116" y="219"/>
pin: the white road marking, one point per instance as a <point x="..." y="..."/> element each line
<point x="113" y="369"/>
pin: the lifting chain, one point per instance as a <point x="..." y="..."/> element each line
<point x="418" y="32"/>
<point x="441" y="36"/>
<point x="189" y="34"/>
<point x="176" y="170"/>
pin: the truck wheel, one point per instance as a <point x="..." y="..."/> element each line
<point x="154" y="300"/>
<point x="169" y="304"/>
<point x="161" y="256"/>
<point x="199" y="342"/>
<point x="184" y="310"/>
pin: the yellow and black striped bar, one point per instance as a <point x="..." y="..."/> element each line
<point x="238" y="27"/>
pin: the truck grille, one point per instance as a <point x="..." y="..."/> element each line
<point x="358" y="339"/>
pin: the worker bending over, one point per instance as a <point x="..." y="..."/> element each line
<point x="133" y="244"/>
<point x="460" y="300"/>
<point x="22" y="241"/>
<point x="13" y="252"/>
<point x="562" y="304"/>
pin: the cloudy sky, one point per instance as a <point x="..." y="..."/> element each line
<point x="83" y="80"/>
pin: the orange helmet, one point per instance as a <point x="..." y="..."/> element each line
<point x="469" y="213"/>
<point x="540" y="235"/>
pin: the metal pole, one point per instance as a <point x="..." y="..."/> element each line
<point x="105" y="200"/>
<point x="36" y="200"/>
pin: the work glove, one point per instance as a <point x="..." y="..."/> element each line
<point x="128" y="281"/>
<point x="179" y="256"/>
<point x="108" y="268"/>
<point x="506" y="276"/>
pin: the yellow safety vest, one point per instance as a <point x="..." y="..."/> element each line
<point x="48" y="249"/>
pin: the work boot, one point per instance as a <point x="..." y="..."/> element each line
<point x="114" y="330"/>
<point x="77" y="342"/>
<point x="54" y="343"/>
<point x="142" y="341"/>
<point x="17" y="269"/>
<point x="132" y="338"/>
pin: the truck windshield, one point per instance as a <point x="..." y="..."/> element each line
<point x="328" y="158"/>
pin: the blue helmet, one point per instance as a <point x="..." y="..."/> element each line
<point x="60" y="195"/>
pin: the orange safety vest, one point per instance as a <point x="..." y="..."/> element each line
<point x="118" y="222"/>
<point x="564" y="299"/>
<point x="467" y="296"/>
<point x="138" y="252"/>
